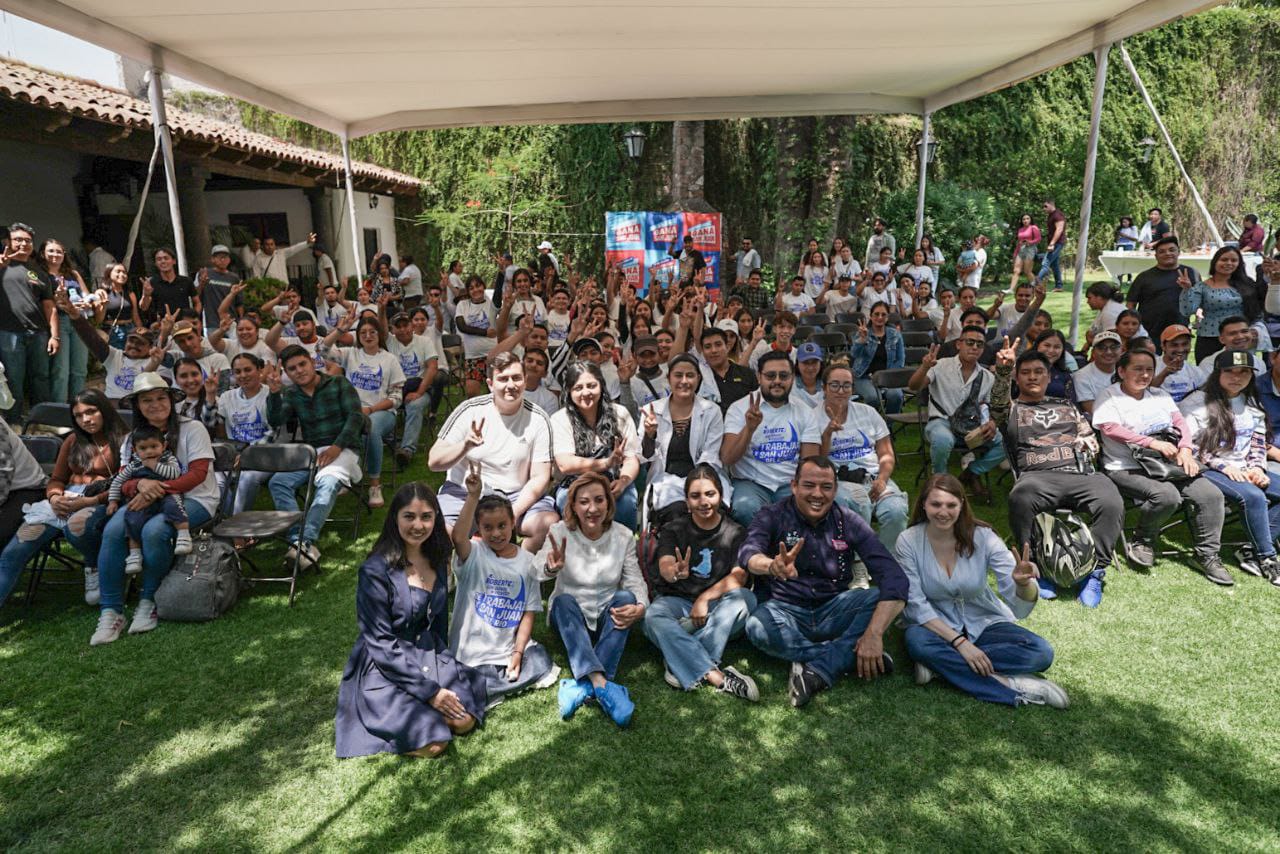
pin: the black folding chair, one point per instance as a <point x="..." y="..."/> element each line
<point x="271" y="524"/>
<point x="918" y="339"/>
<point x="45" y="450"/>
<point x="915" y="355"/>
<point x="897" y="378"/>
<point x="918" y="324"/>
<point x="833" y="342"/>
<point x="55" y="415"/>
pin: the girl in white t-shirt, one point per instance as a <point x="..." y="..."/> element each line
<point x="242" y="418"/>
<point x="477" y="324"/>
<point x="379" y="382"/>
<point x="558" y="320"/>
<point x="248" y="339"/>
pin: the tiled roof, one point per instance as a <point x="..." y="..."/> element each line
<point x="22" y="82"/>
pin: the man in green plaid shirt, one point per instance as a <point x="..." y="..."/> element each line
<point x="332" y="420"/>
<point x="755" y="296"/>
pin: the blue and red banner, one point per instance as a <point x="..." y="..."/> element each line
<point x="640" y="243"/>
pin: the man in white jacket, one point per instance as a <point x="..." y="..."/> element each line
<point x="270" y="262"/>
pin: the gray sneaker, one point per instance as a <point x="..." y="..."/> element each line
<point x="1036" y="690"/>
<point x="739" y="684"/>
<point x="1213" y="569"/>
<point x="92" y="594"/>
<point x="1140" y="552"/>
<point x="670" y="679"/>
<point x="923" y="675"/>
<point x="1271" y="570"/>
<point x="1248" y="561"/>
<point x="110" y="625"/>
<point x="144" y="617"/>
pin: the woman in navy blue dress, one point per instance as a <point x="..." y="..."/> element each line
<point x="402" y="691"/>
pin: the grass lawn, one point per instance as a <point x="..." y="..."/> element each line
<point x="220" y="736"/>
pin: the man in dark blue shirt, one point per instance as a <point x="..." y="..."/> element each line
<point x="807" y="547"/>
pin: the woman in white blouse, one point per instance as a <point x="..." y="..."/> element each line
<point x="599" y="595"/>
<point x="958" y="628"/>
<point x="677" y="433"/>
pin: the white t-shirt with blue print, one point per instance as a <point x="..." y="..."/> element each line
<point x="771" y="457"/>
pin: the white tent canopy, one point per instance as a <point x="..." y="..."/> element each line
<point x="359" y="68"/>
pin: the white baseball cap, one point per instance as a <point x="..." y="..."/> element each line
<point x="546" y="244"/>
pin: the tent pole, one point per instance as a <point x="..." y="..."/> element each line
<point x="922" y="158"/>
<point x="1168" y="140"/>
<point x="160" y="122"/>
<point x="351" y="207"/>
<point x="1100" y="57"/>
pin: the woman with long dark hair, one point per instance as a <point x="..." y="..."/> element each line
<point x="590" y="433"/>
<point x="71" y="362"/>
<point x="1054" y="346"/>
<point x="402" y="690"/>
<point x="1024" y="251"/>
<point x="957" y="626"/>
<point x="116" y="311"/>
<point x="76" y="496"/>
<point x="1225" y="292"/>
<point x="1228" y="425"/>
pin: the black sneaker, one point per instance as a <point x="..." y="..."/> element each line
<point x="739" y="684"/>
<point x="1213" y="569"/>
<point x="1140" y="552"/>
<point x="404" y="456"/>
<point x="802" y="684"/>
<point x="1247" y="560"/>
<point x="1271" y="570"/>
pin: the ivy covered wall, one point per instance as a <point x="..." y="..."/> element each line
<point x="781" y="181"/>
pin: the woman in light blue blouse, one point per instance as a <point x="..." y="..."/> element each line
<point x="958" y="628"/>
<point x="1225" y="292"/>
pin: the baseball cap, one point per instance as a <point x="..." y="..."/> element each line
<point x="303" y="314"/>
<point x="1233" y="359"/>
<point x="1177" y="330"/>
<point x="1106" y="336"/>
<point x="184" y="329"/>
<point x="139" y="332"/>
<point x="546" y="244"/>
<point x="583" y="343"/>
<point x="219" y="249"/>
<point x="646" y="342"/>
<point x="809" y="351"/>
<point x="401" y="316"/>
<point x="728" y="325"/>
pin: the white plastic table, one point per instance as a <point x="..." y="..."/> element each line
<point x="1118" y="263"/>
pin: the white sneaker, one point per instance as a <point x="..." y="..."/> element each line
<point x="923" y="674"/>
<point x="966" y="460"/>
<point x="1039" y="691"/>
<point x="110" y="624"/>
<point x="861" y="579"/>
<point x="182" y="545"/>
<point x="375" y="497"/>
<point x="310" y="555"/>
<point x="551" y="677"/>
<point x="144" y="617"/>
<point x="91" y="593"/>
<point x="133" y="563"/>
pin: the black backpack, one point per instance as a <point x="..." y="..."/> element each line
<point x="203" y="586"/>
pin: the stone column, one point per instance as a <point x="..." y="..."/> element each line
<point x="321" y="199"/>
<point x="195" y="215"/>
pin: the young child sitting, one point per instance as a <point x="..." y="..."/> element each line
<point x="150" y="460"/>
<point x="496" y="597"/>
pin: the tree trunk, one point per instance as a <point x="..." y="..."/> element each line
<point x="795" y="148"/>
<point x="835" y="159"/>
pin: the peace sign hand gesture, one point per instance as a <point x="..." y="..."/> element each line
<point x="930" y="358"/>
<point x="473" y="482"/>
<point x="753" y="415"/>
<point x="650" y="421"/>
<point x="555" y="557"/>
<point x="619" y="454"/>
<point x="1024" y="571"/>
<point x="783" y="564"/>
<point x="475" y="436"/>
<point x="862" y="329"/>
<point x="680" y="569"/>
<point x="271" y="375"/>
<point x="1184" y="280"/>
<point x="1008" y="354"/>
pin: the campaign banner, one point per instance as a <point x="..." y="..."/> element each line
<point x="641" y="243"/>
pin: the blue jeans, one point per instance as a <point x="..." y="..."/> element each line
<point x="25" y="356"/>
<point x="381" y="425"/>
<point x="692" y="655"/>
<point x="70" y="365"/>
<point x="937" y="432"/>
<point x="624" y="512"/>
<point x="889" y="510"/>
<point x="1052" y="261"/>
<point x="157" y="554"/>
<point x="589" y="651"/>
<point x="413" y="418"/>
<point x="17" y="554"/>
<point x="284" y="488"/>
<point x="821" y="637"/>
<point x="749" y="497"/>
<point x="1012" y="649"/>
<point x="1260" y="509"/>
<point x="885" y="400"/>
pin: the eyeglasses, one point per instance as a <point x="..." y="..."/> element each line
<point x="972" y="342"/>
<point x="20" y="240"/>
<point x="777" y="375"/>
<point x="840" y="386"/>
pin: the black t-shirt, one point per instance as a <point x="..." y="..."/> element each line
<point x="1155" y="292"/>
<point x="23" y="288"/>
<point x="679" y="457"/>
<point x="737" y="383"/>
<point x="215" y="291"/>
<point x="715" y="553"/>
<point x="880" y="360"/>
<point x="171" y="296"/>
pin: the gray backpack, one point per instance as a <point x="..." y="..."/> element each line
<point x="203" y="586"/>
